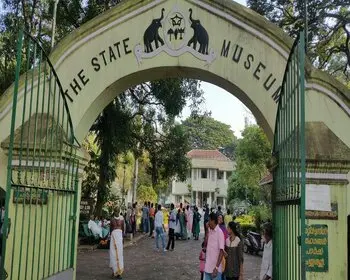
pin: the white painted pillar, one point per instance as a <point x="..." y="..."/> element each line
<point x="209" y="199"/>
<point x="224" y="202"/>
<point x="183" y="199"/>
<point x="197" y="198"/>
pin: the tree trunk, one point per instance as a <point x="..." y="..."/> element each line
<point x="101" y="193"/>
<point x="135" y="180"/>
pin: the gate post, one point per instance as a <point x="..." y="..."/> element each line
<point x="328" y="166"/>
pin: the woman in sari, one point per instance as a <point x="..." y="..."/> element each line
<point x="222" y="225"/>
<point x="183" y="224"/>
<point x="196" y="221"/>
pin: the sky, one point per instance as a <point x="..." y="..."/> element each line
<point x="224" y="106"/>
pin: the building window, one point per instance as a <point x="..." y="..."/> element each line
<point x="213" y="171"/>
<point x="189" y="174"/>
<point x="204" y="173"/>
<point x="228" y="175"/>
<point x="220" y="175"/>
<point x="194" y="174"/>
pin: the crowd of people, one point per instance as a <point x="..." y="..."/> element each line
<point x="221" y="254"/>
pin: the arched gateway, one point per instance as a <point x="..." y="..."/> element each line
<point x="216" y="41"/>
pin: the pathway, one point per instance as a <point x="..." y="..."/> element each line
<point x="142" y="262"/>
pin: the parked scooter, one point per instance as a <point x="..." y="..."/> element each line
<point x="253" y="243"/>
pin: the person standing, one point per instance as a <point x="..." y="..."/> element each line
<point x="189" y="217"/>
<point x="215" y="250"/>
<point x="145" y="218"/>
<point x="228" y="217"/>
<point x="206" y="219"/>
<point x="116" y="257"/>
<point x="266" y="264"/>
<point x="172" y="225"/>
<point x="196" y="223"/>
<point x="159" y="228"/>
<point x="133" y="218"/>
<point x="151" y="220"/>
<point x="233" y="254"/>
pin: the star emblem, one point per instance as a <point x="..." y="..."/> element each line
<point x="176" y="20"/>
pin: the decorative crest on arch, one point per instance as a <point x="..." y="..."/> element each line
<point x="180" y="33"/>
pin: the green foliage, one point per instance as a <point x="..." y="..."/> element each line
<point x="204" y="132"/>
<point x="146" y="193"/>
<point x="246" y="223"/>
<point x="262" y="214"/>
<point x="328" y="31"/>
<point x="252" y="153"/>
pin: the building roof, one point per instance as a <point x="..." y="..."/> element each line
<point x="268" y="179"/>
<point x="207" y="154"/>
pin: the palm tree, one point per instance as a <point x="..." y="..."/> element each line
<point x="170" y="32"/>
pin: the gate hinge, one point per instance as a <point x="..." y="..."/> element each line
<point x="73" y="217"/>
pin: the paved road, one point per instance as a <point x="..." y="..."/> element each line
<point x="142" y="262"/>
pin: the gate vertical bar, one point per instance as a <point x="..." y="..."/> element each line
<point x="302" y="153"/>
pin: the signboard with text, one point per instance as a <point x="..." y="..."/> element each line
<point x="316" y="242"/>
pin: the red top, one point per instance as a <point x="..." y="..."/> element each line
<point x="151" y="212"/>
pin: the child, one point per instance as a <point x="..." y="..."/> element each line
<point x="202" y="260"/>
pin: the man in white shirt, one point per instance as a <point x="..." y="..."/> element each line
<point x="159" y="227"/>
<point x="266" y="265"/>
<point x="172" y="225"/>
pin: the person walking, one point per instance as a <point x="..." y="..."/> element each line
<point x="159" y="228"/>
<point x="151" y="220"/>
<point x="145" y="218"/>
<point x="215" y="250"/>
<point x="233" y="254"/>
<point x="266" y="264"/>
<point x="116" y="257"/>
<point x="172" y="225"/>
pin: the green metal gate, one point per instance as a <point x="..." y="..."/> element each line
<point x="289" y="173"/>
<point x="39" y="230"/>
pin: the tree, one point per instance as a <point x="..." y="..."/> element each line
<point x="204" y="132"/>
<point x="113" y="136"/>
<point x="328" y="32"/>
<point x="252" y="153"/>
<point x="145" y="194"/>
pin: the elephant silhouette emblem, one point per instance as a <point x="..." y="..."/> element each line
<point x="200" y="36"/>
<point x="152" y="34"/>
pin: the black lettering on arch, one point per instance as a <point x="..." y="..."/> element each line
<point x="111" y="54"/>
<point x="276" y="95"/>
<point x="95" y="64"/>
<point x="268" y="84"/>
<point x="257" y="70"/>
<point x="237" y="53"/>
<point x="126" y="46"/>
<point x="248" y="62"/>
<point x="225" y="49"/>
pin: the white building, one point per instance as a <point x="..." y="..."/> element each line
<point x="208" y="180"/>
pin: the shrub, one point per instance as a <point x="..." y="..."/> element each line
<point x="244" y="228"/>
